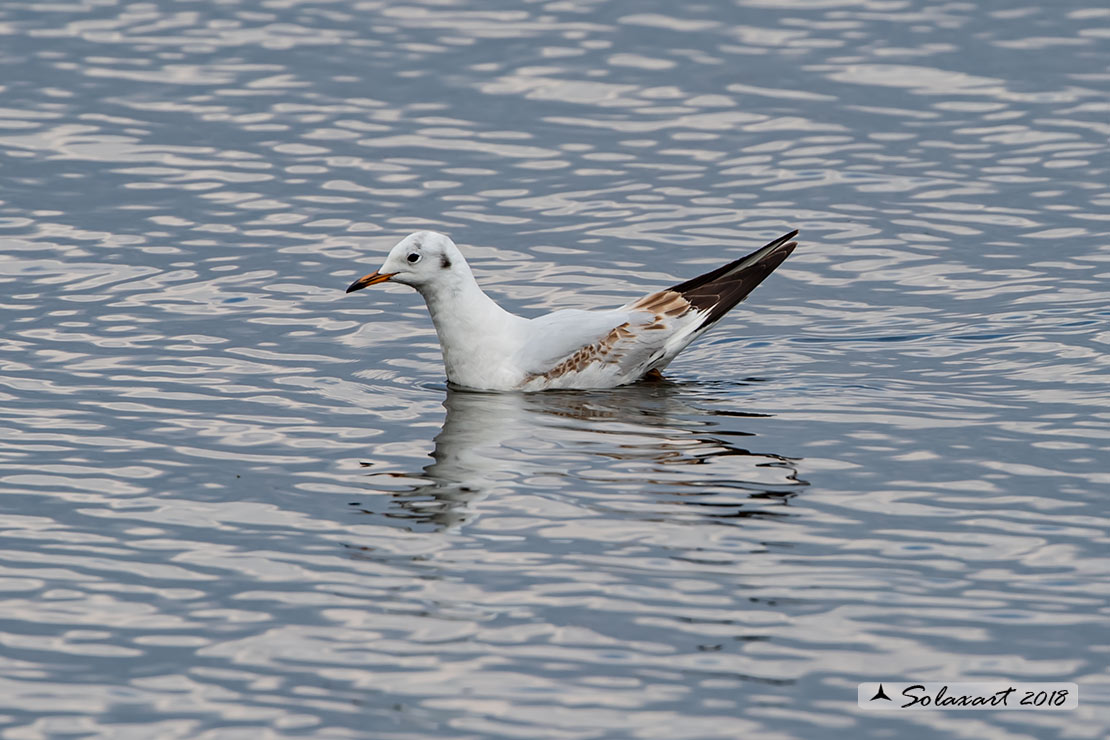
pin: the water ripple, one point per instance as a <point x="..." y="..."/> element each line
<point x="238" y="502"/>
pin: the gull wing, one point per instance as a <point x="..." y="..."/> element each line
<point x="561" y="335"/>
<point x="645" y="334"/>
<point x="716" y="292"/>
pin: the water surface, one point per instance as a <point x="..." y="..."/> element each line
<point x="239" y="503"/>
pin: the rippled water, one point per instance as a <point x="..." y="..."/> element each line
<point x="238" y="503"/>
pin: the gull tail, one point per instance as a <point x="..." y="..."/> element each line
<point x="718" y="291"/>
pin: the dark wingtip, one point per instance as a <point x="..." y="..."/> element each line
<point x="718" y="291"/>
<point x="782" y="240"/>
<point x="771" y="248"/>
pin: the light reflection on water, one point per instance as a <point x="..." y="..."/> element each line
<point x="238" y="501"/>
<point x="596" y="447"/>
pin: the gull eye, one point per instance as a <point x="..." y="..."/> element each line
<point x="413" y="258"/>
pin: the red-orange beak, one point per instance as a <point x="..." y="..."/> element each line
<point x="371" y="279"/>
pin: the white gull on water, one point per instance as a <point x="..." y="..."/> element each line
<point x="487" y="348"/>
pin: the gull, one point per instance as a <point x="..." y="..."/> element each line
<point x="487" y="348"/>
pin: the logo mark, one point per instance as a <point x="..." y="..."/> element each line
<point x="880" y="694"/>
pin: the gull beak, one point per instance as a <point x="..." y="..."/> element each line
<point x="371" y="279"/>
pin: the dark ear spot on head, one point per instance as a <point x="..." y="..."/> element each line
<point x="444" y="262"/>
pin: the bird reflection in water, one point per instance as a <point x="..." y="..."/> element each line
<point x="648" y="441"/>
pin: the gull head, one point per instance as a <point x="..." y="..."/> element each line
<point x="423" y="260"/>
